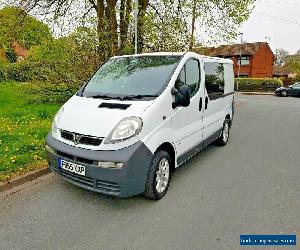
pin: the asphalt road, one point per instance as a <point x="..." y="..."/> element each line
<point x="250" y="186"/>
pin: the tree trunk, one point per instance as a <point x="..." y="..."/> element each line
<point x="125" y="10"/>
<point x="122" y="24"/>
<point x="193" y="25"/>
<point x="99" y="8"/>
<point x="141" y="15"/>
<point x="100" y="17"/>
<point x="112" y="20"/>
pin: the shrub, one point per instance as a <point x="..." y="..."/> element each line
<point x="41" y="92"/>
<point x="3" y="72"/>
<point x="28" y="71"/>
<point x="257" y="84"/>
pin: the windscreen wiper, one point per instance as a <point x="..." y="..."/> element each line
<point x="129" y="97"/>
<point x="106" y="97"/>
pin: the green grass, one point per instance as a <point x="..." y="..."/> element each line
<point x="23" y="128"/>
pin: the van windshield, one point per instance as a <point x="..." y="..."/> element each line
<point x="131" y="77"/>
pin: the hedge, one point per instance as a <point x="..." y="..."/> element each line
<point x="3" y="72"/>
<point x="258" y="84"/>
<point x="43" y="92"/>
<point x="28" y="71"/>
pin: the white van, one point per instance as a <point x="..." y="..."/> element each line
<point x="138" y="118"/>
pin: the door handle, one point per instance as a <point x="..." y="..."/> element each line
<point x="206" y="102"/>
<point x="200" y="104"/>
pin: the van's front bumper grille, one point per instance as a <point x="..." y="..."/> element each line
<point x="82" y="180"/>
<point x="81" y="139"/>
<point x="128" y="181"/>
<point x="89" y="183"/>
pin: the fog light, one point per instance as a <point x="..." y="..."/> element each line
<point x="50" y="150"/>
<point x="107" y="164"/>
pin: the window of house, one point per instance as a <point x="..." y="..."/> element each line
<point x="242" y="76"/>
<point x="243" y="60"/>
<point x="214" y="79"/>
<point x="190" y="75"/>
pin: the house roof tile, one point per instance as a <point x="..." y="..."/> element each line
<point x="281" y="71"/>
<point x="231" y="50"/>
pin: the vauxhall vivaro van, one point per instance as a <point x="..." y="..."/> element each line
<point x="138" y="118"/>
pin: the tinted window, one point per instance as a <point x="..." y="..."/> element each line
<point x="192" y="73"/>
<point x="297" y="86"/>
<point x="144" y="75"/>
<point x="214" y="79"/>
<point x="189" y="75"/>
<point x="181" y="79"/>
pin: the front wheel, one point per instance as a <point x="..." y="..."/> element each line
<point x="159" y="176"/>
<point x="284" y="93"/>
<point x="224" y="137"/>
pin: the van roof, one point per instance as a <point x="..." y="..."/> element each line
<point x="155" y="54"/>
<point x="205" y="58"/>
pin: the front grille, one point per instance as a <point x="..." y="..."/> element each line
<point x="90" y="141"/>
<point x="90" y="183"/>
<point x="74" y="158"/>
<point x="67" y="135"/>
<point x="81" y="139"/>
<point x="108" y="187"/>
<point x="83" y="180"/>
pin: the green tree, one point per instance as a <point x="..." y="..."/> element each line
<point x="18" y="26"/>
<point x="172" y="25"/>
<point x="171" y="22"/>
<point x="292" y="62"/>
<point x="74" y="55"/>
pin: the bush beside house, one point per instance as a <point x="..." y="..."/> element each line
<point x="257" y="84"/>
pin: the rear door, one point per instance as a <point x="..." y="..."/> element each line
<point x="187" y="121"/>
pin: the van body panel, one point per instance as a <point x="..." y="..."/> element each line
<point x="84" y="116"/>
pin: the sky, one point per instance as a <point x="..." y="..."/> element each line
<point x="274" y="21"/>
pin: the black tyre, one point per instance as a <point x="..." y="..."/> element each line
<point x="224" y="137"/>
<point x="284" y="93"/>
<point x="159" y="176"/>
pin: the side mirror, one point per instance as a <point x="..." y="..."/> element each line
<point x="182" y="96"/>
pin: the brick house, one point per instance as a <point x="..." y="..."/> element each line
<point x="20" y="51"/>
<point x="256" y="61"/>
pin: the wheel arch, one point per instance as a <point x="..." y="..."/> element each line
<point x="169" y="148"/>
<point x="229" y="118"/>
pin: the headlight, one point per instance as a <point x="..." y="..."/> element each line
<point x="125" y="129"/>
<point x="54" y="127"/>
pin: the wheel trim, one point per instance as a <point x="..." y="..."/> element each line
<point x="226" y="132"/>
<point x="162" y="175"/>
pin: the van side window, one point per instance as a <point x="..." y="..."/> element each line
<point x="214" y="79"/>
<point x="192" y="72"/>
<point x="190" y="75"/>
<point x="181" y="79"/>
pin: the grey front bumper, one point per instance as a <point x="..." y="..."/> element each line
<point x="127" y="181"/>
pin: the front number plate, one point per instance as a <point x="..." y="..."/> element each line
<point x="71" y="167"/>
